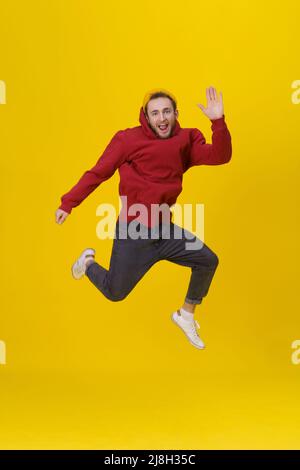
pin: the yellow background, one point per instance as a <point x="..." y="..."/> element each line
<point x="83" y="372"/>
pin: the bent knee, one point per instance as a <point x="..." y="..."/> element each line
<point x="117" y="296"/>
<point x="213" y="260"/>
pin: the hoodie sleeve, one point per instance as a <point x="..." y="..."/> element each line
<point x="216" y="153"/>
<point x="112" y="157"/>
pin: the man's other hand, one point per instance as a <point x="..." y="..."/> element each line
<point x="60" y="216"/>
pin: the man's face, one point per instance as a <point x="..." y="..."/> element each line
<point x="161" y="116"/>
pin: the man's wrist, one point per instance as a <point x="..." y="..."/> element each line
<point x="216" y="119"/>
<point x="66" y="208"/>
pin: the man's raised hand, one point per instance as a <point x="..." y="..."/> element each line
<point x="214" y="108"/>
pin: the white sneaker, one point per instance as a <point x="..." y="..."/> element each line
<point x="79" y="267"/>
<point x="189" y="329"/>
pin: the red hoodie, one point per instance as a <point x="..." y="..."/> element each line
<point x="151" y="168"/>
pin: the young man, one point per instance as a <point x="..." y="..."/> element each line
<point x="151" y="159"/>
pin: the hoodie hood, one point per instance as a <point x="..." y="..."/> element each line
<point x="149" y="132"/>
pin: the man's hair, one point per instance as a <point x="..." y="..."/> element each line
<point x="160" y="94"/>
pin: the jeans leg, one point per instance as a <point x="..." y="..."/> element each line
<point x="203" y="270"/>
<point x="129" y="262"/>
<point x="202" y="261"/>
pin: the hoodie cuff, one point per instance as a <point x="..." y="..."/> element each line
<point x="66" y="208"/>
<point x="218" y="123"/>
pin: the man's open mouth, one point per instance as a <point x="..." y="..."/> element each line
<point x="164" y="128"/>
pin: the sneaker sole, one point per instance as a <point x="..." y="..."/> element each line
<point x="78" y="278"/>
<point x="195" y="345"/>
<point x="75" y="277"/>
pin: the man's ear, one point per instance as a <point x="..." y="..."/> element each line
<point x="176" y="113"/>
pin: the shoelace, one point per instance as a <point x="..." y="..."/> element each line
<point x="193" y="327"/>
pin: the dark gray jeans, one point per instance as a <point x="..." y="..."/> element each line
<point x="132" y="258"/>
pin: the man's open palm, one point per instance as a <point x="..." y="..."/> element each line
<point x="214" y="108"/>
